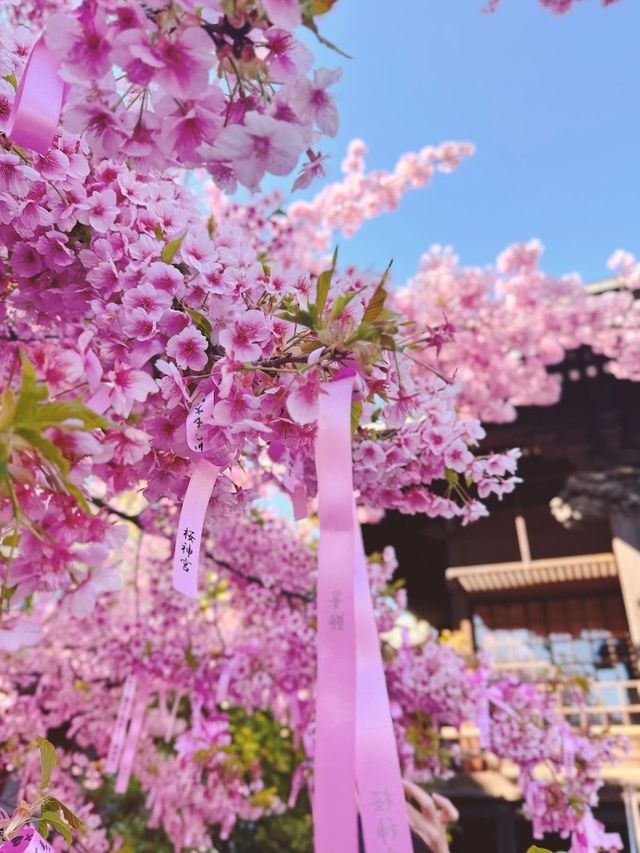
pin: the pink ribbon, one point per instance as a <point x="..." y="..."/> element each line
<point x="186" y="556"/>
<point x="120" y="728"/>
<point x="133" y="736"/>
<point x="27" y="840"/>
<point x="38" y="104"/>
<point x="380" y="793"/>
<point x="334" y="800"/>
<point x="355" y="740"/>
<point x="196" y="420"/>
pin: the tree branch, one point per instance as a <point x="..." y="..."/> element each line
<point x="287" y="593"/>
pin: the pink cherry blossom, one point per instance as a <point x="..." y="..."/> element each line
<point x="288" y="58"/>
<point x="312" y="103"/>
<point x="189" y="349"/>
<point x="14" y="175"/>
<point x="99" y="210"/>
<point x="262" y="144"/>
<point x="246" y="336"/>
<point x="19" y="635"/>
<point x="302" y="401"/>
<point x="155" y="302"/>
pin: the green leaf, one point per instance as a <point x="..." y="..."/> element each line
<point x="324" y="284"/>
<point x="301" y="318"/>
<point x="30" y="392"/>
<point x="7" y="408"/>
<point x="171" y="249"/>
<point x="54" y="804"/>
<point x="535" y="849"/>
<point x="356" y="414"/>
<point x="452" y="477"/>
<point x="376" y="305"/>
<point x="57" y="823"/>
<point x="59" y="462"/>
<point x="48" y="760"/>
<point x="55" y="413"/>
<point x="367" y="332"/>
<point x="11" y="79"/>
<point x="201" y="322"/>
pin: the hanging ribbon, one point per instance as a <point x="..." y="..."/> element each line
<point x="36" y="110"/>
<point x="354" y="731"/>
<point x="120" y="728"/>
<point x="380" y="793"/>
<point x="27" y="840"/>
<point x="133" y="736"/>
<point x="334" y="801"/>
<point x="196" y="419"/>
<point x="186" y="557"/>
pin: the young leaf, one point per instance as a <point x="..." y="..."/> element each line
<point x="301" y="317"/>
<point x="49" y="451"/>
<point x="376" y="305"/>
<point x="55" y="413"/>
<point x="48" y="760"/>
<point x="324" y="284"/>
<point x="202" y="323"/>
<point x="7" y="408"/>
<point x="171" y="249"/>
<point x="53" y="804"/>
<point x="57" y="823"/>
<point x="30" y="391"/>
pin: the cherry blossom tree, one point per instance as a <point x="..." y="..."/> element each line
<point x="124" y="309"/>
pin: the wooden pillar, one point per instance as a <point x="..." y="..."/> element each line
<point x="625" y="527"/>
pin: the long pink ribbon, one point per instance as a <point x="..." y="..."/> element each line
<point x="38" y="104"/>
<point x="186" y="556"/>
<point x="380" y="793"/>
<point x="133" y="736"/>
<point x="120" y="728"/>
<point x="355" y="740"/>
<point x="334" y="799"/>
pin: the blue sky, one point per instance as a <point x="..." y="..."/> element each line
<point x="551" y="103"/>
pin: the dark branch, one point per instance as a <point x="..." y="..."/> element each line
<point x="134" y="519"/>
<point x="287" y="593"/>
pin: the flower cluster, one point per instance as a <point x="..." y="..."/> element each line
<point x="228" y="86"/>
<point x="511" y="322"/>
<point x="159" y="310"/>
<point x="223" y="673"/>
